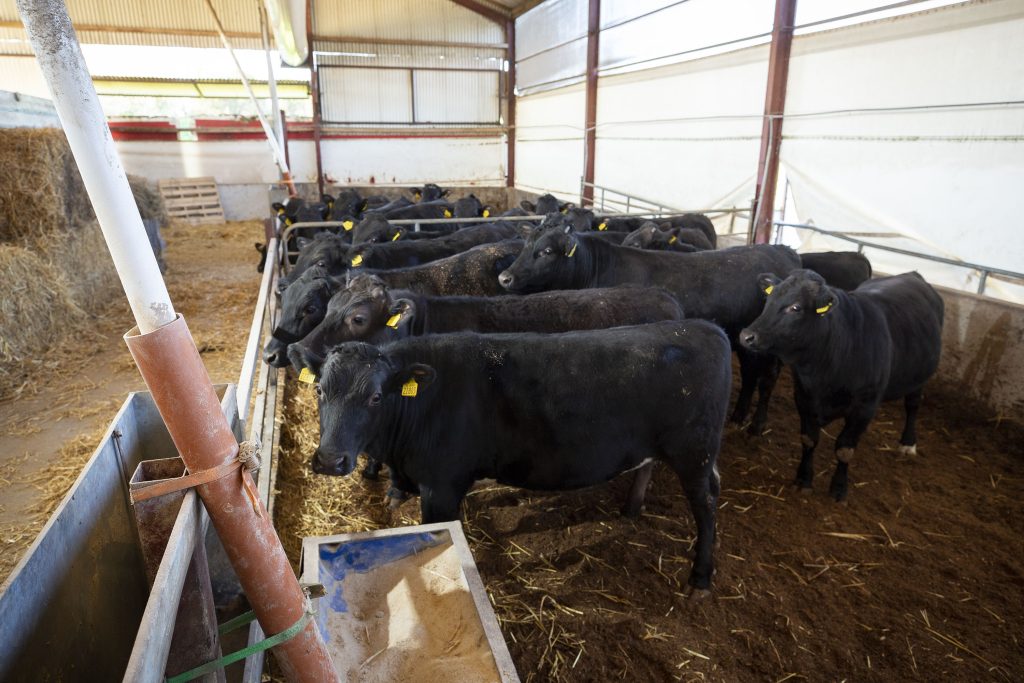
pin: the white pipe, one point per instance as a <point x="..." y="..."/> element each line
<point x="275" y="106"/>
<point x="288" y="18"/>
<point x="60" y="59"/>
<point x="275" y="145"/>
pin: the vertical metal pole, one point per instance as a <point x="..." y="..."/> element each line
<point x="314" y="86"/>
<point x="590" y="120"/>
<point x="510" y="103"/>
<point x="284" y="137"/>
<point x="166" y="354"/>
<point x="771" y="129"/>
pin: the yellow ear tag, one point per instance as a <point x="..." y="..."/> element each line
<point x="486" y="213"/>
<point x="357" y="260"/>
<point x="447" y="213"/>
<point x="330" y="205"/>
<point x="288" y="221"/>
<point x="393" y="321"/>
<point x="768" y="289"/>
<point x="603" y="226"/>
<point x="410" y="388"/>
<point x="280" y="211"/>
<point x="395" y="238"/>
<point x="673" y="239"/>
<point x="573" y="250"/>
<point x="824" y="309"/>
<point x="416" y="196"/>
<point x="307" y="376"/>
<point x="348" y="225"/>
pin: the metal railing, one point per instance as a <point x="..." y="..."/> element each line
<point x="984" y="271"/>
<point x="629" y="203"/>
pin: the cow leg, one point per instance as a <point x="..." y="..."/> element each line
<point x="703" y="502"/>
<point x="372" y="468"/>
<point x="748" y="379"/>
<point x="846" y="444"/>
<point x="768" y="374"/>
<point x="908" y="442"/>
<point x="810" y="432"/>
<point x="441" y="503"/>
<point x="641" y="479"/>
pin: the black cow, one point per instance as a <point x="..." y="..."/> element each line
<point x="471" y="207"/>
<point x="399" y="254"/>
<point x="545" y="204"/>
<point x="375" y="229"/>
<point x="532" y="410"/>
<point x="327" y="250"/>
<point x="664" y="237"/>
<point x="368" y="311"/>
<point x="297" y="210"/>
<point x="348" y="205"/>
<point x="715" y="285"/>
<point x="429" y="193"/>
<point x="304" y="301"/>
<point x="303" y="306"/>
<point x="843" y="269"/>
<point x="849" y="351"/>
<point x="438" y="208"/>
<point x="262" y="249"/>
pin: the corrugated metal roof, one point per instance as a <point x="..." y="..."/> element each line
<point x="407" y="56"/>
<point x="423" y="20"/>
<point x="182" y="23"/>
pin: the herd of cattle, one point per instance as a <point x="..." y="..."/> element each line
<point x="558" y="355"/>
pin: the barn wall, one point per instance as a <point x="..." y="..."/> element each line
<point x="549" y="141"/>
<point x="983" y="351"/>
<point x="945" y="179"/>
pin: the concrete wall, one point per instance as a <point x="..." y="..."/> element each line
<point x="983" y="351"/>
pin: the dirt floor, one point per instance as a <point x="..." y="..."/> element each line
<point x="50" y="430"/>
<point x="919" y="576"/>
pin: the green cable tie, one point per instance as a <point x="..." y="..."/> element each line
<point x="264" y="644"/>
<point x="237" y="622"/>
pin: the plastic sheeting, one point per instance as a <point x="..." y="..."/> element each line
<point x="549" y="141"/>
<point x="944" y="180"/>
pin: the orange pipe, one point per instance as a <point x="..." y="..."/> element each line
<point x="184" y="395"/>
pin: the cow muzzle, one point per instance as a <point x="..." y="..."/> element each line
<point x="750" y="339"/>
<point x="334" y="466"/>
<point x="506" y="279"/>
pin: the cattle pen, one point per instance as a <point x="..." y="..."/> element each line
<point x="549" y="301"/>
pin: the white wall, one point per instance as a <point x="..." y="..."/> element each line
<point x="549" y="141"/>
<point x="947" y="180"/>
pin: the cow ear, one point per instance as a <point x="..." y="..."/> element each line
<point x="396" y="233"/>
<point x="410" y="379"/>
<point x="401" y="314"/>
<point x="568" y="228"/>
<point x="825" y="300"/>
<point x="767" y="282"/>
<point x="277" y="206"/>
<point x="528" y="206"/>
<point x="444" y="192"/>
<point x="302" y="242"/>
<point x="302" y="357"/>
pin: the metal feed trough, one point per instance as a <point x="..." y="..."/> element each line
<point x="404" y="604"/>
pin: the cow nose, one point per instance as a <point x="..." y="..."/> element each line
<point x="270" y="357"/>
<point x="505" y="279"/>
<point x="748" y="338"/>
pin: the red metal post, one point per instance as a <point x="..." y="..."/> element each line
<point x="771" y="130"/>
<point x="510" y="100"/>
<point x="314" y="88"/>
<point x="589" y="130"/>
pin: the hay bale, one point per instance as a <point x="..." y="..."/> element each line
<point x="44" y="190"/>
<point x="149" y="201"/>
<point x="34" y="305"/>
<point x="84" y="267"/>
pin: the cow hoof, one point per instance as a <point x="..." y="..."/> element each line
<point x="838" y="494"/>
<point x="697" y="594"/>
<point x="907" y="450"/>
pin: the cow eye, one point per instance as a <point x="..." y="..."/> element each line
<point x="548" y="251"/>
<point x="311" y="309"/>
<point x="321" y="264"/>
<point x="358" y="320"/>
<point x="794" y="308"/>
<point x="319" y="391"/>
<point x="375" y="399"/>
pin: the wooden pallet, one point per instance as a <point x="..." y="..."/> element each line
<point x="192" y="199"/>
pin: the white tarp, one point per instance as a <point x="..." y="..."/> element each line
<point x="930" y="177"/>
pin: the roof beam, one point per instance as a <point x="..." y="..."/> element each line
<point x="483" y="10"/>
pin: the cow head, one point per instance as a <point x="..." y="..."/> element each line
<point x="359" y="311"/>
<point x="795" y="311"/>
<point x="303" y="306"/>
<point x="469" y="207"/>
<point x="374" y="229"/>
<point x="546" y="203"/>
<point x="581" y="219"/>
<point x="428" y="193"/>
<point x="358" y="388"/>
<point x="546" y="261"/>
<point x="326" y="250"/>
